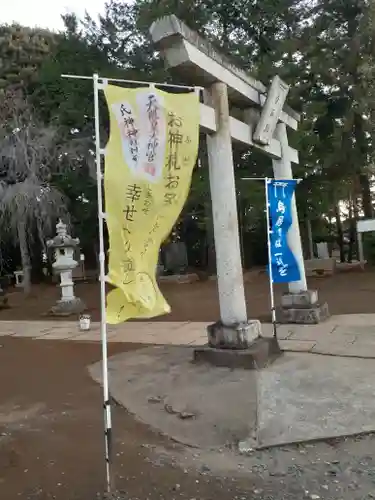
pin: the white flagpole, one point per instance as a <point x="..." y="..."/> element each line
<point x="103" y="321"/>
<point x="272" y="298"/>
<point x="138" y="82"/>
<point x="102" y="279"/>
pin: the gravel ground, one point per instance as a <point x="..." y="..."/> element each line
<point x="340" y="469"/>
<point x="336" y="470"/>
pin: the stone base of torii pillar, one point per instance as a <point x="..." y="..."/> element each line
<point x="238" y="346"/>
<point x="302" y="308"/>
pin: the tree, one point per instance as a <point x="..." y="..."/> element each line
<point x="68" y="105"/>
<point x="29" y="154"/>
<point x="68" y="102"/>
<point x="333" y="51"/>
<point x="22" y="51"/>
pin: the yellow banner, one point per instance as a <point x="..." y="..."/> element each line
<point x="149" y="160"/>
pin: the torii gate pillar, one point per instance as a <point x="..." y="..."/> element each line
<point x="233" y="330"/>
<point x="300" y="305"/>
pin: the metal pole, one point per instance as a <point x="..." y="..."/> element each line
<point x="269" y="231"/>
<point x="240" y="220"/>
<point x="137" y="82"/>
<point x="264" y="178"/>
<point x="310" y="236"/>
<point x="103" y="320"/>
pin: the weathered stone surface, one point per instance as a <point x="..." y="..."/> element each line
<point x="239" y="336"/>
<point x="298" y="300"/>
<point x="175" y="255"/>
<point x="261" y="353"/>
<point x="67" y="307"/>
<point x="305" y="316"/>
<point x="302" y="308"/>
<point x="322" y="249"/>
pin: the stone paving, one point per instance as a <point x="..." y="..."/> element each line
<point x="346" y="335"/>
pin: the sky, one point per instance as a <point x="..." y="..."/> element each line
<point x="46" y="13"/>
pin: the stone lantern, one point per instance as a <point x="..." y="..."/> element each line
<point x="64" y="245"/>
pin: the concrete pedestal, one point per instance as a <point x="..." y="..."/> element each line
<point x="238" y="336"/>
<point x="237" y="346"/>
<point x="302" y="308"/>
<point x="261" y="353"/>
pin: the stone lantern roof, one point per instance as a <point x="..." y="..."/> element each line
<point x="62" y="238"/>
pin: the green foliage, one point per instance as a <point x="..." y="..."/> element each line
<point x="68" y="103"/>
<point x="22" y="52"/>
<point x="338" y="134"/>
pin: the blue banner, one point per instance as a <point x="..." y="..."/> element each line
<point x="284" y="265"/>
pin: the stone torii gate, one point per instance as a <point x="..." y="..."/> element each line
<point x="261" y="121"/>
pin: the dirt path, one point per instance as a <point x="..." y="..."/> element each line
<point x="51" y="444"/>
<point x="346" y="293"/>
